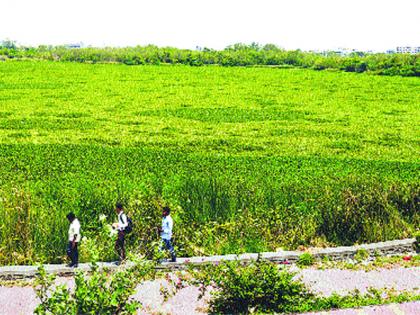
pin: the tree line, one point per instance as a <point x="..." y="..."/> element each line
<point x="234" y="55"/>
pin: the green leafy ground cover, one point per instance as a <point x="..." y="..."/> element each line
<point x="250" y="158"/>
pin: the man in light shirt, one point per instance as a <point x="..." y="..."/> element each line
<point x="120" y="226"/>
<point x="74" y="239"/>
<point x="166" y="232"/>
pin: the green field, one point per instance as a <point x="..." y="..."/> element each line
<point x="250" y="158"/>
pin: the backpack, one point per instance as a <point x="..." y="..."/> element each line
<point x="129" y="228"/>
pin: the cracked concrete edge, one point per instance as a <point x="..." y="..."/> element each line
<point x="335" y="253"/>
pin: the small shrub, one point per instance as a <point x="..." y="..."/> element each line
<point x="361" y="255"/>
<point x="98" y="293"/>
<point x="58" y="302"/>
<point x="306" y="259"/>
<point x="259" y="286"/>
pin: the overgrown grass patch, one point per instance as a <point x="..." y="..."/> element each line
<point x="250" y="159"/>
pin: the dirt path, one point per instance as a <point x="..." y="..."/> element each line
<point x="22" y="300"/>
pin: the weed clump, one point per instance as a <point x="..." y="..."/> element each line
<point x="361" y="255"/>
<point x="306" y="259"/>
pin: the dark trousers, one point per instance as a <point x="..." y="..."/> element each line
<point x="73" y="253"/>
<point x="168" y="245"/>
<point x="120" y="245"/>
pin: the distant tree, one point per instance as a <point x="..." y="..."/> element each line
<point x="270" y="47"/>
<point x="7" y="43"/>
<point x="237" y="46"/>
<point x="255" y="46"/>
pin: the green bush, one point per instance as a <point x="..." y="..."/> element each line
<point x="361" y="255"/>
<point x="262" y="287"/>
<point x="259" y="286"/>
<point x="100" y="292"/>
<point x="306" y="259"/>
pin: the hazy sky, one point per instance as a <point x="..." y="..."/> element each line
<point x="291" y="24"/>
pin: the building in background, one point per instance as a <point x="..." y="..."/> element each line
<point x="75" y="45"/>
<point x="407" y="50"/>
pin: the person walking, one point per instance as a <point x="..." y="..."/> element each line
<point x="74" y="239"/>
<point x="120" y="226"/>
<point x="166" y="232"/>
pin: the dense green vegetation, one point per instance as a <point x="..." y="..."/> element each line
<point x="249" y="158"/>
<point x="263" y="287"/>
<point x="257" y="287"/>
<point x="235" y="55"/>
<point x="101" y="292"/>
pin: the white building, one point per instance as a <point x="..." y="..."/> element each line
<point x="408" y="50"/>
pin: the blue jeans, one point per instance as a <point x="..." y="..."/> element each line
<point x="170" y="247"/>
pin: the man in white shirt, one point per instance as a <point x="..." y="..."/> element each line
<point x="120" y="226"/>
<point x="74" y="239"/>
<point x="166" y="232"/>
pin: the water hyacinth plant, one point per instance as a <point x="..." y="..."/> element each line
<point x="250" y="159"/>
